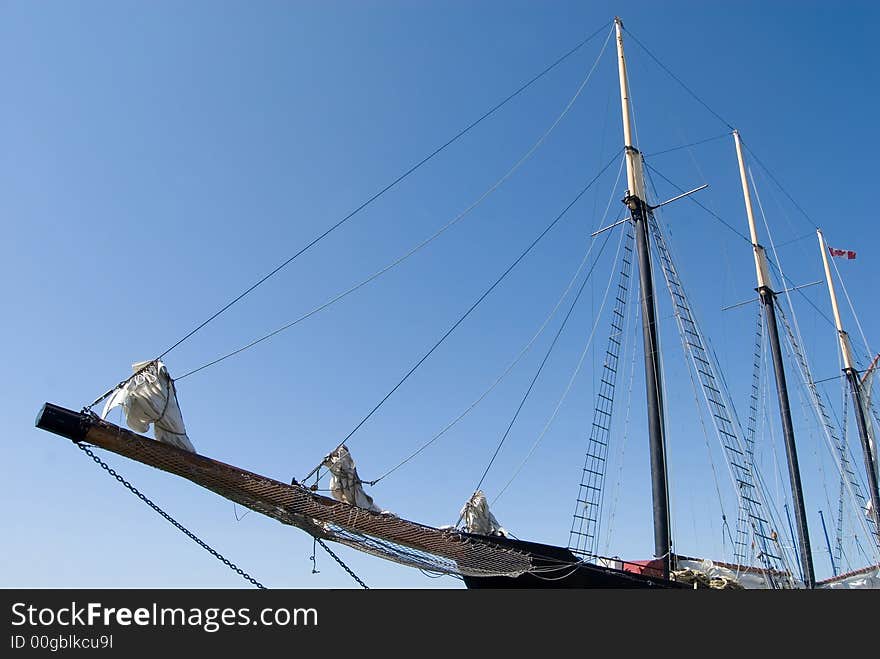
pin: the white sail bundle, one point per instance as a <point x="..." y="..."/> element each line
<point x="478" y="518"/>
<point x="345" y="484"/>
<point x="149" y="397"/>
<point x="721" y="576"/>
<point x="864" y="579"/>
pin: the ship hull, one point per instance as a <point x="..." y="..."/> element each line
<point x="557" y="567"/>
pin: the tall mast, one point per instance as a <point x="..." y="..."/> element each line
<point x="768" y="299"/>
<point x="640" y="213"/>
<point x="855" y="386"/>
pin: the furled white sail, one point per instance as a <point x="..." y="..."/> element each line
<point x="722" y="575"/>
<point x="478" y="518"/>
<point x="149" y="397"/>
<point x="345" y="484"/>
<point x="864" y="579"/>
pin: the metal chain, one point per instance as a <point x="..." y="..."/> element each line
<point x="344" y="566"/>
<point x="232" y="566"/>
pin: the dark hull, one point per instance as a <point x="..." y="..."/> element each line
<point x="556" y="570"/>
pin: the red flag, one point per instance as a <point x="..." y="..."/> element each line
<point x="845" y="253"/>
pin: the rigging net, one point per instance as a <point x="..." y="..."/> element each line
<point x="445" y="551"/>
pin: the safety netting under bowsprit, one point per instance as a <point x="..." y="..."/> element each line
<point x="390" y="537"/>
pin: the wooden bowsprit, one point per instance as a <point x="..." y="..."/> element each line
<point x="440" y="550"/>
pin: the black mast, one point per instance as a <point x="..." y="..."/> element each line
<point x="768" y="300"/>
<point x="640" y="215"/>
<point x="855" y="387"/>
<point x="856" y="390"/>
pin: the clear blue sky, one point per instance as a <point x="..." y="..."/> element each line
<point x="157" y="158"/>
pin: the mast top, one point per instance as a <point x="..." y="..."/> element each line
<point x="761" y="269"/>
<point x="634" y="173"/>
<point x="845" y="348"/>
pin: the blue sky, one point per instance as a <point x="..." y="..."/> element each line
<point x="158" y="158"/>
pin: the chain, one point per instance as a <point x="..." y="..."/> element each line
<point x="232" y="566"/>
<point x="344" y="566"/>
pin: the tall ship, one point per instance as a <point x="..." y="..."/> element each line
<point x="764" y="525"/>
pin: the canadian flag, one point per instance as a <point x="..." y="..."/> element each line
<point x="845" y="253"/>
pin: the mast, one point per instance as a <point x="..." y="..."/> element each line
<point x="855" y="386"/>
<point x="768" y="299"/>
<point x="640" y="213"/>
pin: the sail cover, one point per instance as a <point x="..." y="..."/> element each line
<point x="478" y="518"/>
<point x="724" y="576"/>
<point x="865" y="579"/>
<point x="149" y="397"/>
<point x="345" y="484"/>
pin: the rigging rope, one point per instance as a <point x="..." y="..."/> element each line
<point x="836" y="445"/>
<point x="729" y="226"/>
<point x="497" y="380"/>
<point x="694" y="386"/>
<point x="777" y="265"/>
<point x="482" y="297"/>
<point x="632" y="323"/>
<point x="568" y="387"/>
<point x="790" y="550"/>
<point x="838" y="533"/>
<point x="756" y="406"/>
<point x="679" y="81"/>
<point x="543" y="362"/>
<point x="852" y="309"/>
<point x="794" y="327"/>
<point x="455" y="220"/>
<point x="746" y="480"/>
<point x="705" y="430"/>
<point x="385" y="189"/>
<point x="232" y="566"/>
<point x="510" y="366"/>
<point x="779" y="185"/>
<point x="798" y="239"/>
<point x="687" y="146"/>
<point x="697" y="202"/>
<point x="794" y="318"/>
<point x="773" y="264"/>
<point x="590" y="493"/>
<point x="661" y="249"/>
